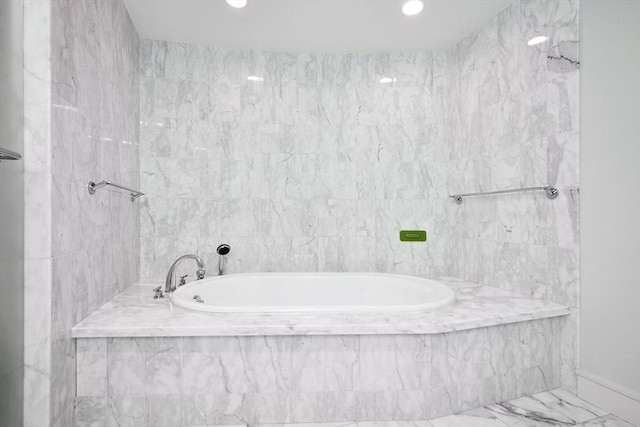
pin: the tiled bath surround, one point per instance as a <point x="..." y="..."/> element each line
<point x="195" y="381"/>
<point x="81" y="124"/>
<point x="318" y="166"/>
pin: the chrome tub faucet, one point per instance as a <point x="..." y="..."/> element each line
<point x="222" y="250"/>
<point x="170" y="285"/>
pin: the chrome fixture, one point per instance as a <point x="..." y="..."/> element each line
<point x="182" y="280"/>
<point x="132" y="194"/>
<point x="551" y="192"/>
<point x="170" y="282"/>
<point x="222" y="250"/>
<point x="8" y="155"/>
<point x="197" y="298"/>
<point x="157" y="292"/>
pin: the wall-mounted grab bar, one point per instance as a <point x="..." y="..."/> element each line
<point x="9" y="155"/>
<point x="133" y="194"/>
<point x="551" y="192"/>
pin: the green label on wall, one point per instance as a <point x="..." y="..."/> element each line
<point x="413" y="236"/>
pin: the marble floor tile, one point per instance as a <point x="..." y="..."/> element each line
<point x="556" y="406"/>
<point x="607" y="421"/>
<point x="551" y="408"/>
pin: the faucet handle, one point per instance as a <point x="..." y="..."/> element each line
<point x="182" y="281"/>
<point x="158" y="292"/>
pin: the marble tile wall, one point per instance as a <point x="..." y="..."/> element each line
<point x="94" y="136"/>
<point x="193" y="381"/>
<point x="318" y="166"/>
<point x="314" y="168"/>
<point x="81" y="125"/>
<point x="514" y="123"/>
<point x="95" y="128"/>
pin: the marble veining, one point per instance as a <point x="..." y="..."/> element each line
<point x="556" y="407"/>
<point x="135" y="313"/>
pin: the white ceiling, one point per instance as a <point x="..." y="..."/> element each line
<point x="312" y="25"/>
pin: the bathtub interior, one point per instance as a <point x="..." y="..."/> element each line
<point x="314" y="292"/>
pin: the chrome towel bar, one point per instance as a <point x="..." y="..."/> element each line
<point x="133" y="194"/>
<point x="9" y="155"/>
<point x="551" y="192"/>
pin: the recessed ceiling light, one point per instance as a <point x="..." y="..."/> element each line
<point x="255" y="78"/>
<point x="412" y="7"/>
<point x="238" y="4"/>
<point x="537" y="40"/>
<point x="387" y="80"/>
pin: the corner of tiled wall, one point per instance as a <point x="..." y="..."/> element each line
<point x="515" y="124"/>
<point x="81" y="125"/>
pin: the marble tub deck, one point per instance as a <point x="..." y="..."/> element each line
<point x="134" y="313"/>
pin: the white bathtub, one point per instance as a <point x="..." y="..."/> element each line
<point x="313" y="292"/>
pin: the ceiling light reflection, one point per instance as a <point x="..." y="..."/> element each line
<point x="537" y="40"/>
<point x="238" y="4"/>
<point x="412" y="7"/>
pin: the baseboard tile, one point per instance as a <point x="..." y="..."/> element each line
<point x="614" y="398"/>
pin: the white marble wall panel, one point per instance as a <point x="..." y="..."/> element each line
<point x="37" y="212"/>
<point x="244" y="380"/>
<point x="94" y="137"/>
<point x="526" y="135"/>
<point x="297" y="171"/>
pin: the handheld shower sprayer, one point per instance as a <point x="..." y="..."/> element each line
<point x="222" y="250"/>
